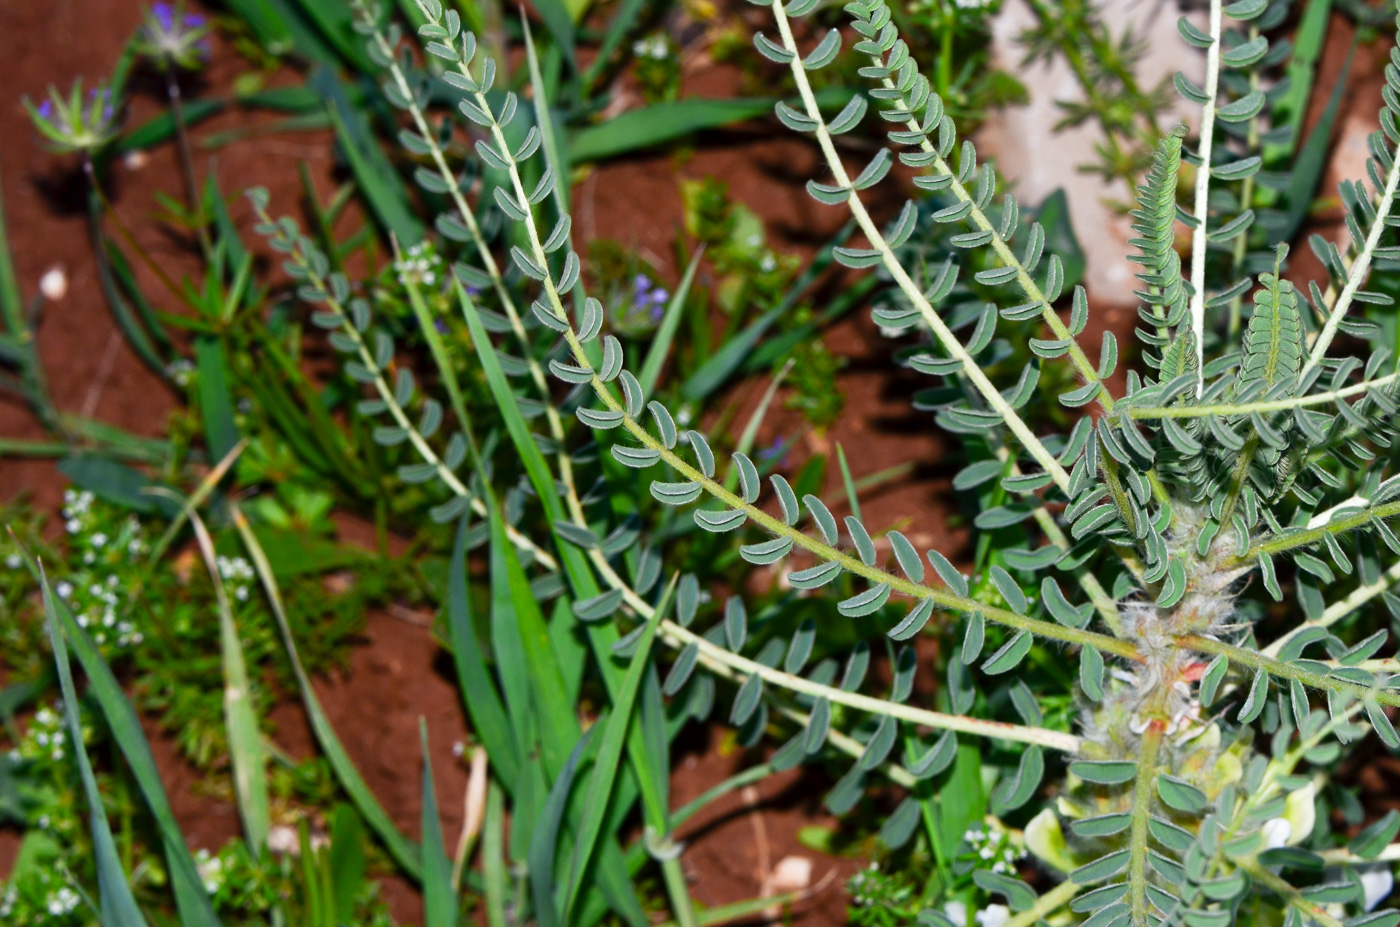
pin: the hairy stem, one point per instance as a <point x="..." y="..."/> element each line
<point x="1273" y="667"/>
<point x="1309" y="536"/>
<point x="1142" y="813"/>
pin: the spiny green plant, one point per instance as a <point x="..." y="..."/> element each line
<point x="1225" y="469"/>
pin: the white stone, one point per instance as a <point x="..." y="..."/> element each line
<point x="1038" y="162"/>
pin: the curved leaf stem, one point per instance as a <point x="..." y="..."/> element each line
<point x="1309" y="536"/>
<point x="1341" y="608"/>
<point x="1266" y="876"/>
<point x="1273" y="667"/>
<point x="950" y="342"/>
<point x="1265" y="405"/>
<point x="1201" y="212"/>
<point x="1002" y="247"/>
<point x="1358" y="269"/>
<point x="1054" y="739"/>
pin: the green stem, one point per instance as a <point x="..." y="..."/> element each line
<point x="1142" y="814"/>
<point x="1147" y="413"/>
<point x="1309" y="536"/>
<point x="1288" y="893"/>
<point x="182" y="145"/>
<point x="1283" y="670"/>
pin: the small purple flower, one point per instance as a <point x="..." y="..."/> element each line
<point x="776" y="451"/>
<point x="172" y="36"/>
<point x="46" y="109"/>
<point x="648" y="297"/>
<point x="440" y="325"/>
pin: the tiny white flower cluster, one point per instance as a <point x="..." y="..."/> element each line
<point x="179" y="371"/>
<point x="93" y="597"/>
<point x="861" y="884"/>
<point x="238" y="574"/>
<point x="64" y="901"/>
<point x="993" y="846"/>
<point x="100" y="615"/>
<point x="77" y="510"/>
<point x="653" y="46"/>
<point x="211" y="870"/>
<point x="42" y="902"/>
<point x="45" y="738"/>
<point x="420" y="265"/>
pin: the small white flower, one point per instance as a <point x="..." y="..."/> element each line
<point x="1376" y="883"/>
<point x="54" y="283"/>
<point x="14" y="562"/>
<point x="994" y="915"/>
<point x="1276" y="832"/>
<point x="957" y="912"/>
<point x="64" y="589"/>
<point x="283" y="839"/>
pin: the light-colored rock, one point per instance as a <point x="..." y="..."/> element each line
<point x="1037" y="162"/>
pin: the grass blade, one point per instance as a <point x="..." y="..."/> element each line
<point x="244" y="739"/>
<point x="666" y="331"/>
<point x="659" y="123"/>
<point x="544" y="844"/>
<point x="439" y="899"/>
<point x="215" y="400"/>
<point x="488" y="715"/>
<point x="493" y="857"/>
<point x="403" y="850"/>
<point x="118" y="905"/>
<point x="381" y="186"/>
<point x="602" y="781"/>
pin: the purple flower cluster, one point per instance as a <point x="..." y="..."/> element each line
<point x="648" y="297"/>
<point x="165" y="16"/>
<point x="76" y="121"/>
<point x="172" y="36"/>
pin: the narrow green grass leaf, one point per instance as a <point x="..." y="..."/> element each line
<point x="544" y="844"/>
<point x="403" y="850"/>
<point x="665" y="333"/>
<point x="493" y="857"/>
<point x="376" y="177"/>
<point x="483" y="703"/>
<point x="245" y="745"/>
<point x="118" y="906"/>
<point x="439" y="898"/>
<point x="605" y="766"/>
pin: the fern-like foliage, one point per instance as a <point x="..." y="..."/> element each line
<point x="1226" y="466"/>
